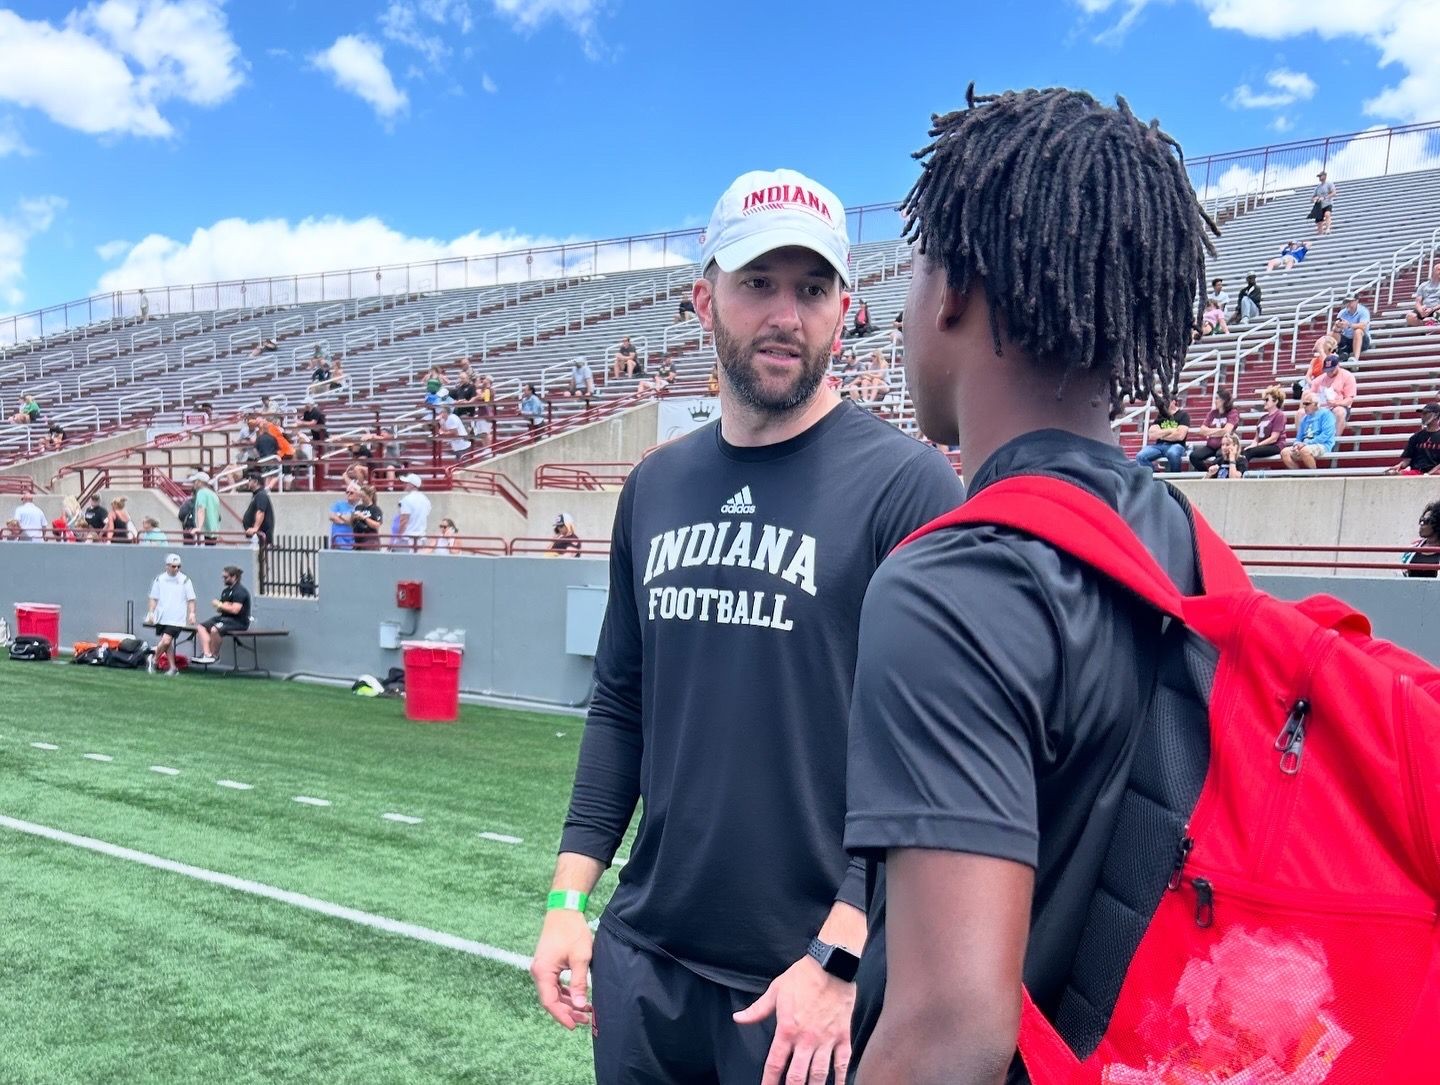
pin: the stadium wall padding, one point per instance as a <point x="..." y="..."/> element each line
<point x="512" y="609"/>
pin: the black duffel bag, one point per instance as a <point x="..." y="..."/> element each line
<point x="130" y="654"/>
<point x="30" y="649"/>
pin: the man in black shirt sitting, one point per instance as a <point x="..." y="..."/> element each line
<point x="1422" y="451"/>
<point x="232" y="615"/>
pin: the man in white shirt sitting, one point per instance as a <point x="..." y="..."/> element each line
<point x="413" y="517"/>
<point x="30" y="518"/>
<point x="452" y="429"/>
<point x="1427" y="301"/>
<point x="172" y="607"/>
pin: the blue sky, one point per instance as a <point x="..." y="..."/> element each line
<point x="150" y="141"/>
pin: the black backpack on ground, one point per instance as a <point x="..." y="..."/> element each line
<point x="130" y="654"/>
<point x="30" y="649"/>
<point x="93" y="657"/>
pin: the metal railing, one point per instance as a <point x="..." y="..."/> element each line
<point x="581" y="476"/>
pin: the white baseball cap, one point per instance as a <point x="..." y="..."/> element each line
<point x="764" y="210"/>
<point x="199" y="476"/>
<point x="411" y="480"/>
<point x="172" y="559"/>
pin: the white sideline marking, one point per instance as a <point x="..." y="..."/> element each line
<point x="308" y="801"/>
<point x="501" y="838"/>
<point x="163" y="771"/>
<point x="403" y="819"/>
<point x="284" y="896"/>
<point x="235" y="785"/>
<point x="98" y="757"/>
<point x="44" y="746"/>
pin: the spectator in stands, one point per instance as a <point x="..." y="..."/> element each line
<point x="413" y="520"/>
<point x="170" y="608"/>
<point x="849" y="374"/>
<point x="1229" y="462"/>
<point x="312" y="421"/>
<point x="531" y="405"/>
<point x="151" y="534"/>
<point x="445" y="541"/>
<point x="862" y="326"/>
<point x="268" y="410"/>
<point x="54" y="438"/>
<point x="11" y="533"/>
<point x="118" y="528"/>
<point x="1247" y="306"/>
<point x="712" y="382"/>
<point x="1218" y="293"/>
<point x="207" y="509"/>
<point x="685" y="311"/>
<point x="663" y="378"/>
<point x="582" y="379"/>
<point x="1212" y="319"/>
<point x="566" y="543"/>
<point x="320" y="375"/>
<point x="359" y="470"/>
<point x="1314" y="436"/>
<point x="897" y="331"/>
<point x="1352" y="320"/>
<point x="232" y="615"/>
<point x="1290" y="256"/>
<point x="871" y="385"/>
<point x="626" y="358"/>
<point x="341" y="535"/>
<point x="144" y="307"/>
<point x="95" y="518"/>
<point x="1419" y="564"/>
<point x="338" y="378"/>
<point x="1427" y="301"/>
<point x="1323" y="201"/>
<point x="450" y="429"/>
<point x="29" y="411"/>
<point x="29" y="517"/>
<point x="1271" y="431"/>
<point x="485" y="410"/>
<point x="384" y="451"/>
<point x="259" y="517"/>
<point x="265" y="346"/>
<point x="60" y="531"/>
<point x="1422" y="450"/>
<point x="366" y="519"/>
<point x="1220" y="422"/>
<point x="1336" y="389"/>
<point x="463" y="395"/>
<point x="435" y="390"/>
<point x="1167" y="436"/>
<point x="1319" y="351"/>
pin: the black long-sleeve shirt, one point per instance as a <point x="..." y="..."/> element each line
<point x="722" y="684"/>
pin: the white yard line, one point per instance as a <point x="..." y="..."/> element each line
<point x="234" y="785"/>
<point x="98" y="757"/>
<point x="284" y="896"/>
<point x="44" y="746"/>
<point x="403" y="819"/>
<point x="501" y="838"/>
<point x="306" y="800"/>
<point x="164" y="770"/>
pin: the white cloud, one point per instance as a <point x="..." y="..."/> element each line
<point x="111" y="66"/>
<point x="30" y="217"/>
<point x="578" y="15"/>
<point x="1285" y="88"/>
<point x="234" y="249"/>
<point x="11" y="142"/>
<point x="1369" y="154"/>
<point x="488" y="85"/>
<point x="357" y="65"/>
<point x="1282" y="123"/>
<point x="422" y="25"/>
<point x="1130" y="11"/>
<point x="1406" y="34"/>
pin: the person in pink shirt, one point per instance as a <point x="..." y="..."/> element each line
<point x="1335" y="388"/>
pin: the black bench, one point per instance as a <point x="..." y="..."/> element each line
<point x="246" y="640"/>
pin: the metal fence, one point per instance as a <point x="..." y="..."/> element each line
<point x="290" y="566"/>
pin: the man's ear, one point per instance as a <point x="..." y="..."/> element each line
<point x="953" y="306"/>
<point x="703" y="295"/>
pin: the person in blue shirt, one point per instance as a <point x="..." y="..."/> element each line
<point x="531" y="405"/>
<point x="1353" y="320"/>
<point x="341" y="535"/>
<point x="1315" y="437"/>
<point x="1293" y="253"/>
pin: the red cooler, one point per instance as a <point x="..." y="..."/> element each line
<point x="39" y="620"/>
<point x="432" y="681"/>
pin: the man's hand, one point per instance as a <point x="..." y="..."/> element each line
<point x="812" y="1024"/>
<point x="565" y="942"/>
<point x="249" y="532"/>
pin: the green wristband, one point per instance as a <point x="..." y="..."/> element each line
<point x="569" y="899"/>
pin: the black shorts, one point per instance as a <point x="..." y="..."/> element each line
<point x="171" y="631"/>
<point x="225" y="623"/>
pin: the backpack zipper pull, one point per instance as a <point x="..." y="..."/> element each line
<point x="1204" y="902"/>
<point x="1182" y="854"/>
<point x="1291" y="740"/>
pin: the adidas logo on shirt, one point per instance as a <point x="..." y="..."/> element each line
<point x="740" y="505"/>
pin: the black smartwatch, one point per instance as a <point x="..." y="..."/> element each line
<point x="837" y="960"/>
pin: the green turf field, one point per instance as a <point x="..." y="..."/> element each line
<point x="111" y="971"/>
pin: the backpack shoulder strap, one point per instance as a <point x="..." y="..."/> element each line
<point x="1081" y="525"/>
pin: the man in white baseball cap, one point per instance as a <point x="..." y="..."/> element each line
<point x="728" y="949"/>
<point x="413" y="517"/>
<point x="171" y="608"/>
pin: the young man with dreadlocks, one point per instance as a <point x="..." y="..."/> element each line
<point x="1001" y="685"/>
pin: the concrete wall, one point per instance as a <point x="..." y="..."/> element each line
<point x="512" y="609"/>
<point x="43" y="469"/>
<point x="622" y="438"/>
<point x="1405" y="611"/>
<point x="1367" y="511"/>
<point x="474" y="514"/>
<point x="593" y="512"/>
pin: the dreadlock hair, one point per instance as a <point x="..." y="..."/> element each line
<point x="1080" y="223"/>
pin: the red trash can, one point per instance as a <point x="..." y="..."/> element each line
<point x="432" y="681"/>
<point x="39" y="620"/>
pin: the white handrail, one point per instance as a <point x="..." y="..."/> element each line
<point x="586" y="310"/>
<point x="680" y="331"/>
<point x="1242" y="352"/>
<point x="39" y="390"/>
<point x="75" y="412"/>
<point x="145" y="363"/>
<point x="201" y="381"/>
<point x="145" y="334"/>
<point x="95" y="348"/>
<point x="139" y="399"/>
<point x="248" y="337"/>
<point x="408" y="322"/>
<point x="545" y="374"/>
<point x="365" y="306"/>
<point x="257" y="367"/>
<point x="350" y="340"/>
<point x="227" y="316"/>
<point x="485" y="297"/>
<point x="53" y="361"/>
<point x="857" y="271"/>
<point x="549" y="318"/>
<point x="1328" y="297"/>
<point x="286" y="324"/>
<point x="686" y="277"/>
<point x="448" y="350"/>
<point x="398" y="367"/>
<point x="189" y="323"/>
<point x="639" y="289"/>
<point x="7" y="371"/>
<point x="1379" y="268"/>
<point x="298" y="363"/>
<point x="504" y="382"/>
<point x="105" y="377"/>
<point x="446" y="310"/>
<point x="195" y="350"/>
<point x="508" y="330"/>
<point x="326" y="314"/>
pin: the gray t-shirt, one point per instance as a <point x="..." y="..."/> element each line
<point x="1325" y="192"/>
<point x="722" y="684"/>
<point x="997" y="689"/>
<point x="1429" y="294"/>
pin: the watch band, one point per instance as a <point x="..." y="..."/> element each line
<point x="835" y="960"/>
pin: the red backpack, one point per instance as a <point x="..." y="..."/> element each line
<point x="1297" y="943"/>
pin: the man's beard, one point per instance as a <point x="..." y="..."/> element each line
<point x="738" y="361"/>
